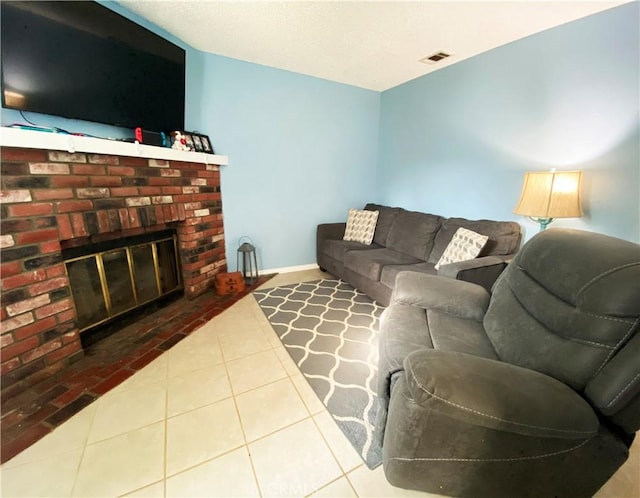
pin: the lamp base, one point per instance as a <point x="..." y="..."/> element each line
<point x="544" y="222"/>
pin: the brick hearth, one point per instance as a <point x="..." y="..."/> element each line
<point x="53" y="199"/>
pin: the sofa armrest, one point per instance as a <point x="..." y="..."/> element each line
<point x="497" y="395"/>
<point x="483" y="271"/>
<point x="456" y="297"/>
<point x="330" y="231"/>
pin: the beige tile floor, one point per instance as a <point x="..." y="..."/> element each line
<point x="223" y="413"/>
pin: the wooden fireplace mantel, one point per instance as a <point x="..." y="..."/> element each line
<point x="16" y="137"/>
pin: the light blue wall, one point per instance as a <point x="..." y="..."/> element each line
<point x="457" y="142"/>
<point x="302" y="150"/>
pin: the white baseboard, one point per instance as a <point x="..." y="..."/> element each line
<point x="289" y="269"/>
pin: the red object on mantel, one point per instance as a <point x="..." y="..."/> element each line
<point x="229" y="283"/>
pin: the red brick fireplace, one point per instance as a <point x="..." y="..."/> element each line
<point x="52" y="199"/>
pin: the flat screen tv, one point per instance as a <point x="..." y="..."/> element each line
<point x="81" y="60"/>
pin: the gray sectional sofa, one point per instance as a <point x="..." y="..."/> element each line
<point x="408" y="240"/>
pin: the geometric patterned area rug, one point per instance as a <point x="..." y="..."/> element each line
<point x="331" y="332"/>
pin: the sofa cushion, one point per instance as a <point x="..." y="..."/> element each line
<point x="390" y="272"/>
<point x="385" y="219"/>
<point x="361" y="225"/>
<point x="406" y="328"/>
<point x="504" y="236"/>
<point x="336" y="249"/>
<point x="465" y="245"/>
<point x="370" y="263"/>
<point x="459" y="334"/>
<point x="413" y="233"/>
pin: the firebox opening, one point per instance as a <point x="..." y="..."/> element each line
<point x="114" y="277"/>
<point x="92" y="338"/>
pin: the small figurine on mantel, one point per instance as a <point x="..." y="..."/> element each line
<point x="178" y="141"/>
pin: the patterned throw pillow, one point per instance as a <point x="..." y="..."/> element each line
<point x="464" y="245"/>
<point x="361" y="225"/>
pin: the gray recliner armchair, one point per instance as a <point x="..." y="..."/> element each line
<point x="533" y="390"/>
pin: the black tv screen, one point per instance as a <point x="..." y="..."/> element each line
<point x="81" y="60"/>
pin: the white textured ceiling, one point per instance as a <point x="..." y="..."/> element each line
<point x="370" y="44"/>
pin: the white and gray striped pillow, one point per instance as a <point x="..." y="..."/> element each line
<point x="464" y="245"/>
<point x="361" y="226"/>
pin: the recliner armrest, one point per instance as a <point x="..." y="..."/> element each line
<point x="483" y="271"/>
<point x="615" y="390"/>
<point x="497" y="395"/>
<point x="441" y="293"/>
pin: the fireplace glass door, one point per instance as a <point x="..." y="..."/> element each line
<point x="111" y="282"/>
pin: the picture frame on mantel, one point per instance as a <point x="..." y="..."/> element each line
<point x="201" y="143"/>
<point x="198" y="142"/>
<point x="206" y="144"/>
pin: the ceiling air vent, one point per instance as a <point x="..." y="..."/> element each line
<point x="437" y="57"/>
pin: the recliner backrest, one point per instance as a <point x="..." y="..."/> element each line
<point x="569" y="306"/>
